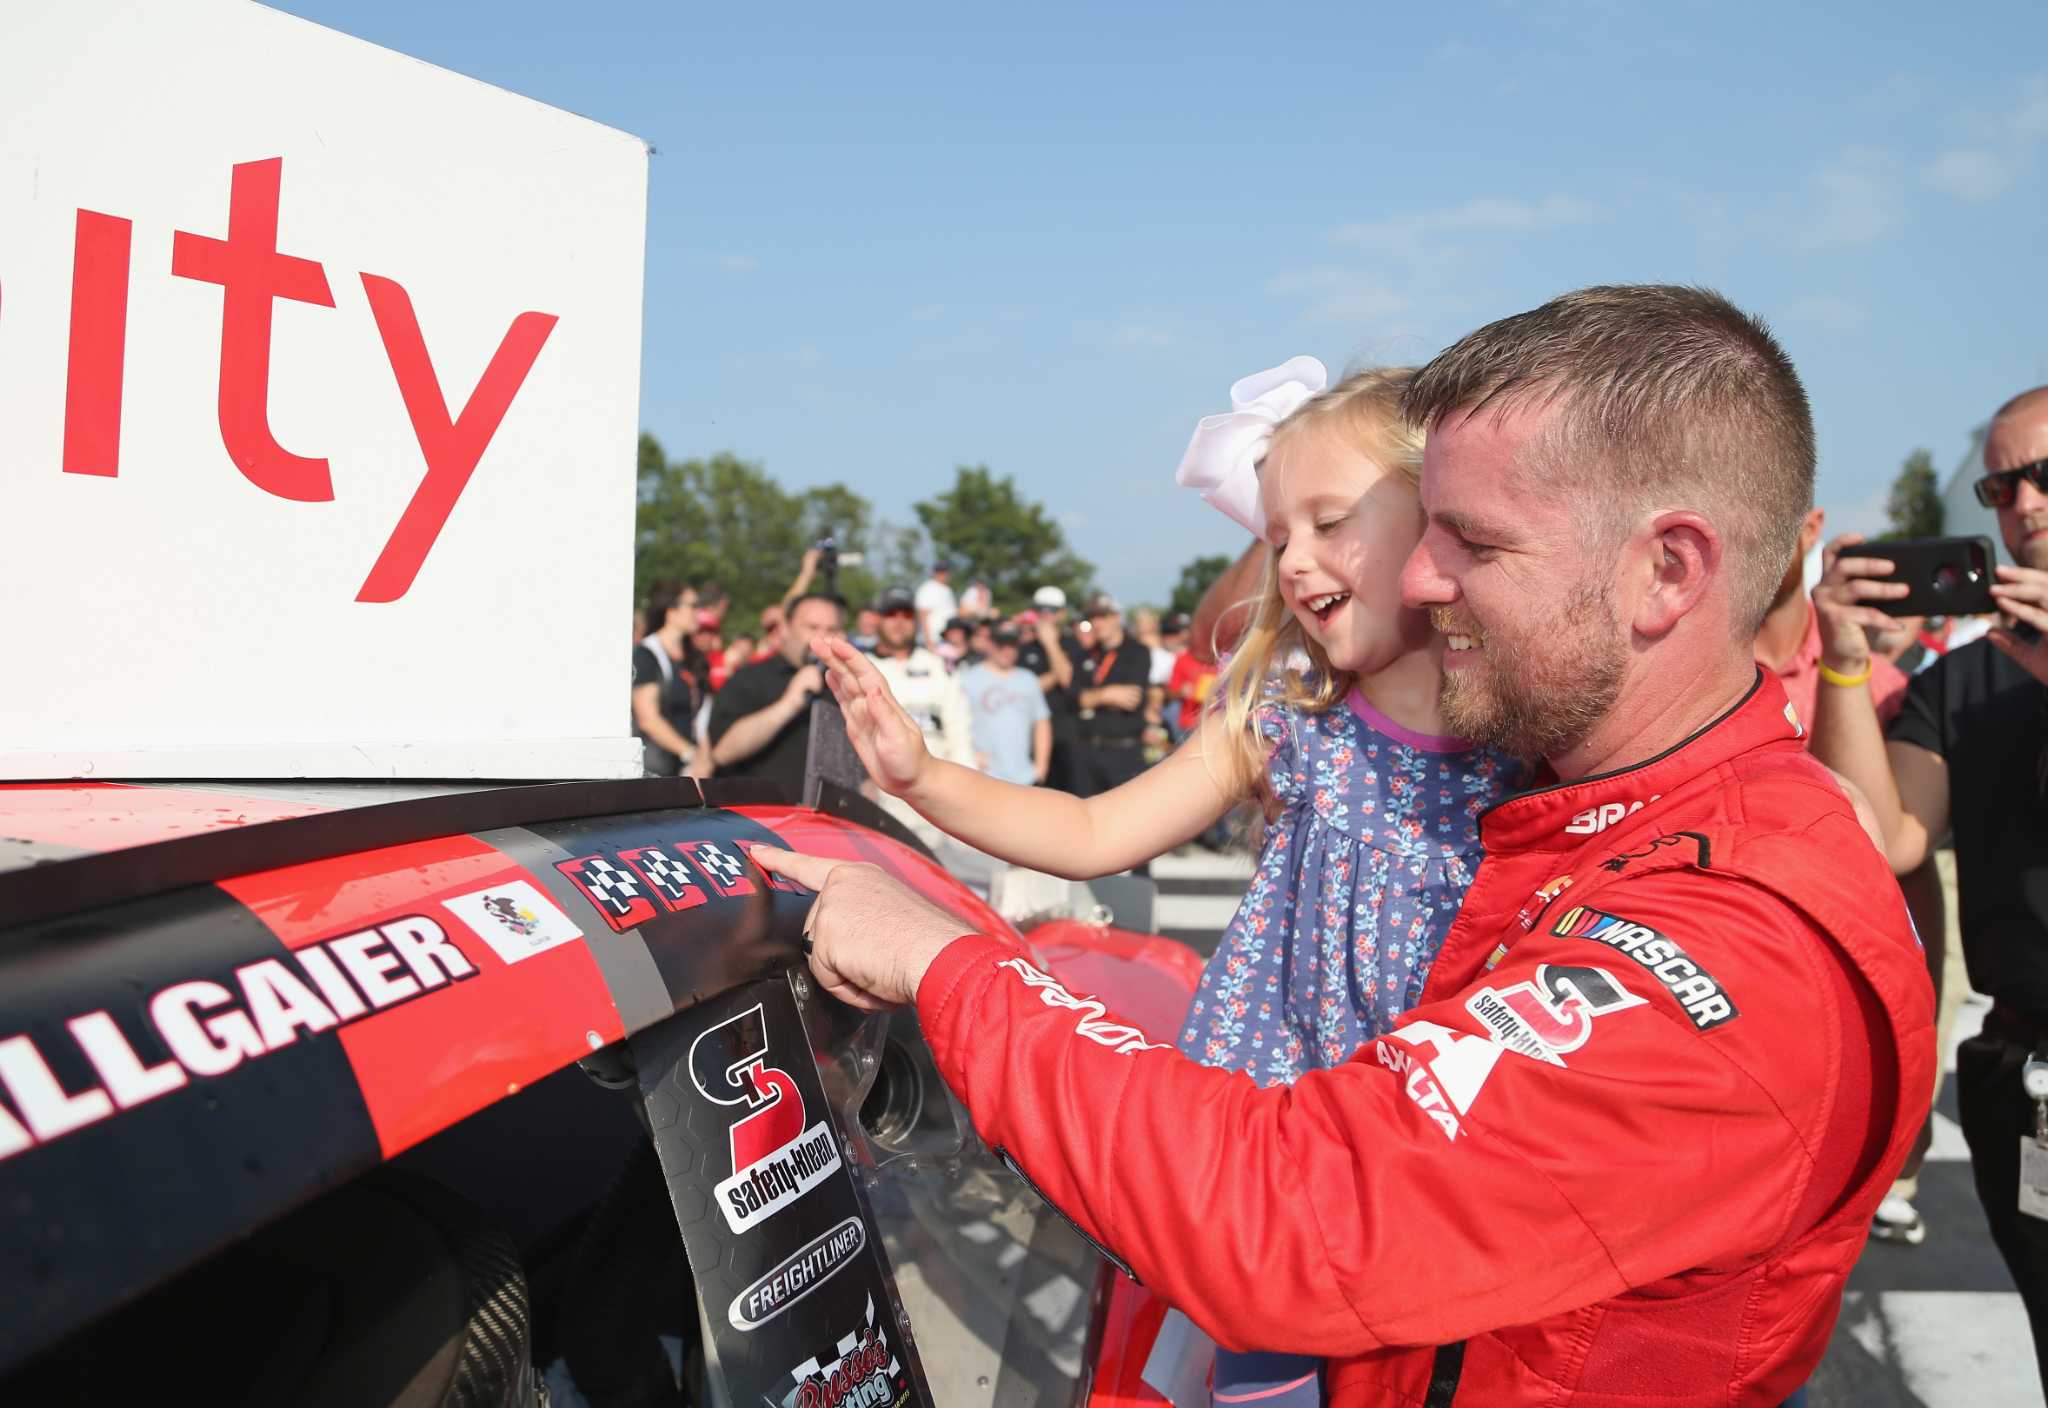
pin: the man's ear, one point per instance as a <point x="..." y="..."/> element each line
<point x="1685" y="557"/>
<point x="1810" y="529"/>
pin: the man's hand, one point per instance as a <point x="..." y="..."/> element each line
<point x="1846" y="584"/>
<point x="871" y="936"/>
<point x="803" y="684"/>
<point x="890" y="744"/>
<point x="2022" y="594"/>
<point x="1119" y="696"/>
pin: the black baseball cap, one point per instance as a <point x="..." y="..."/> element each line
<point x="1176" y="624"/>
<point x="895" y="599"/>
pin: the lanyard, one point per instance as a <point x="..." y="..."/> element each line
<point x="1102" y="666"/>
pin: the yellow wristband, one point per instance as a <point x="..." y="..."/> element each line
<point x="1842" y="681"/>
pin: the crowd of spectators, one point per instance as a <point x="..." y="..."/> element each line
<point x="1081" y="700"/>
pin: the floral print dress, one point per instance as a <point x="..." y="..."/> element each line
<point x="1357" y="883"/>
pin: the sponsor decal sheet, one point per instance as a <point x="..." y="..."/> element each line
<point x="792" y="1275"/>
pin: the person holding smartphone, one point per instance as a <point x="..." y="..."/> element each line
<point x="1788" y="642"/>
<point x="1969" y="750"/>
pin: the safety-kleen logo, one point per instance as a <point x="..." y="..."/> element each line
<point x="776" y="1159"/>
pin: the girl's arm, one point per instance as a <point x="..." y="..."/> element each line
<point x="1073" y="837"/>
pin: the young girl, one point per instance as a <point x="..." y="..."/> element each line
<point x="1376" y="837"/>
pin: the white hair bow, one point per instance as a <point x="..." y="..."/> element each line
<point x="1223" y="455"/>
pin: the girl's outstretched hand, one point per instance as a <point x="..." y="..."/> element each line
<point x="890" y="744"/>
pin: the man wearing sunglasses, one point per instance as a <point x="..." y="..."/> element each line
<point x="1969" y="750"/>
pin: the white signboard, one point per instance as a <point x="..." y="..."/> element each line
<point x="319" y="389"/>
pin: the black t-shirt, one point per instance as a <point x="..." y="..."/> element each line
<point x="749" y="691"/>
<point x="681" y="693"/>
<point x="1129" y="663"/>
<point x="1988" y="719"/>
<point x="1032" y="657"/>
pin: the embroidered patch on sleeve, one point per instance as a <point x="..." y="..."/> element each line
<point x="1696" y="990"/>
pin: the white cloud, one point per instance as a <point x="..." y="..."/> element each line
<point x="2029" y="121"/>
<point x="1349" y="296"/>
<point x="1971" y="173"/>
<point x="807" y="355"/>
<point x="1829" y="312"/>
<point x="1408" y="234"/>
<point x="1855" y="203"/>
<point x="736" y="263"/>
<point x="1138" y="337"/>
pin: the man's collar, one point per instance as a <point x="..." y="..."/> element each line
<point x="1561" y="815"/>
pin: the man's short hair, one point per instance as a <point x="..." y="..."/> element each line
<point x="796" y="605"/>
<point x="1669" y="397"/>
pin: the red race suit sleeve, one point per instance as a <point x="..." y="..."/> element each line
<point x="1591" y="1116"/>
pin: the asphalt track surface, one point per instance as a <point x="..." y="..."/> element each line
<point x="1932" y="1326"/>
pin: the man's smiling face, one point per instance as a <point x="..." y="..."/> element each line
<point x="1535" y="652"/>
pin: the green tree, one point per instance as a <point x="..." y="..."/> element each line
<point x="1914" y="504"/>
<point x="991" y="533"/>
<point x="898" y="554"/>
<point x="836" y="512"/>
<point x="724" y="519"/>
<point x="1195" y="580"/>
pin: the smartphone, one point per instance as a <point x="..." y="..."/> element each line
<point x="1948" y="576"/>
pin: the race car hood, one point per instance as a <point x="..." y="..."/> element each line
<point x="218" y="1001"/>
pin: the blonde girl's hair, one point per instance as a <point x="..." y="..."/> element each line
<point x="1364" y="409"/>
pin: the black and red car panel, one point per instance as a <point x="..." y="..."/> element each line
<point x="220" y="1002"/>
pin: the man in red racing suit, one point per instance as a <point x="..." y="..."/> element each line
<point x="1648" y="1139"/>
<point x="1628" y="1146"/>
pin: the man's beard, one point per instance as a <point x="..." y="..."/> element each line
<point x="1538" y="700"/>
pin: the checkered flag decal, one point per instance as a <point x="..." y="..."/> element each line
<point x="775" y="882"/>
<point x="618" y="895"/>
<point x="725" y="870"/>
<point x="812" y="1372"/>
<point x="667" y="876"/>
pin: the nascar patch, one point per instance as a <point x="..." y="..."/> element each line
<point x="1696" y="990"/>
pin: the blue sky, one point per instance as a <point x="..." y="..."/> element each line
<point x="888" y="239"/>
